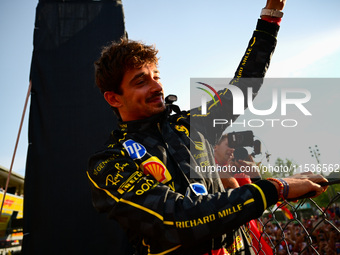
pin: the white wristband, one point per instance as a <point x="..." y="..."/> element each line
<point x="272" y="13"/>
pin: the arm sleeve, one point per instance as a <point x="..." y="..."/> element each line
<point x="147" y="208"/>
<point x="249" y="74"/>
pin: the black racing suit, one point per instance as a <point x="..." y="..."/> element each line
<point x="142" y="177"/>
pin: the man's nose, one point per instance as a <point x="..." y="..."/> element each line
<point x="156" y="85"/>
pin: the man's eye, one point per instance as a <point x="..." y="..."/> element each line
<point x="140" y="82"/>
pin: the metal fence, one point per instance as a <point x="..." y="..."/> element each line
<point x="299" y="228"/>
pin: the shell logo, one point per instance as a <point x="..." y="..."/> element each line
<point x="157" y="169"/>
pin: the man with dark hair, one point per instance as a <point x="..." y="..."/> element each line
<point x="144" y="176"/>
<point x="125" y="88"/>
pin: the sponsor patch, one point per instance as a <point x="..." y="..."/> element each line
<point x="199" y="146"/>
<point x="135" y="150"/>
<point x="157" y="169"/>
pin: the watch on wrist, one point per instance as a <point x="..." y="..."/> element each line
<point x="272" y="13"/>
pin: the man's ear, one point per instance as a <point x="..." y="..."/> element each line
<point x="113" y="99"/>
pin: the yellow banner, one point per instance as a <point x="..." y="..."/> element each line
<point x="12" y="203"/>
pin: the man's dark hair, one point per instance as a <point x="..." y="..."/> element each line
<point x="118" y="58"/>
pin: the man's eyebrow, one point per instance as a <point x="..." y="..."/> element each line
<point x="141" y="74"/>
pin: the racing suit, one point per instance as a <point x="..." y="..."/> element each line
<point x="145" y="175"/>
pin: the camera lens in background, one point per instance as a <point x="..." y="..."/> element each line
<point x="240" y="139"/>
<point x="241" y="153"/>
<point x="257" y="147"/>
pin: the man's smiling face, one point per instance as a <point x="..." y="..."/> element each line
<point x="142" y="94"/>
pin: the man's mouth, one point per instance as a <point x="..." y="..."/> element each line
<point x="155" y="98"/>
